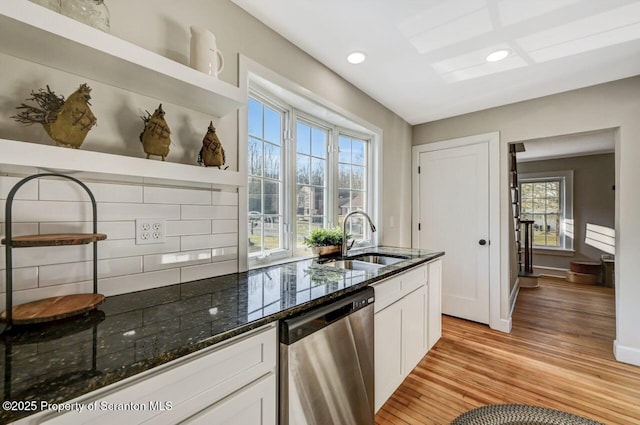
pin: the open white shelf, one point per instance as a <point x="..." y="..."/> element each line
<point x="66" y="159"/>
<point x="37" y="34"/>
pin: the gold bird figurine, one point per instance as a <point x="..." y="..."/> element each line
<point x="67" y="122"/>
<point x="156" y="136"/>
<point x="212" y="153"/>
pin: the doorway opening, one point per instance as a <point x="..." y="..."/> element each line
<point x="563" y="198"/>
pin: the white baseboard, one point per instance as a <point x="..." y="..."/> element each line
<point x="626" y="354"/>
<point x="502" y="325"/>
<point x="550" y="271"/>
<point x="513" y="297"/>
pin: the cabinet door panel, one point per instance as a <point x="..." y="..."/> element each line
<point x="413" y="328"/>
<point x="388" y="352"/>
<point x="435" y="303"/>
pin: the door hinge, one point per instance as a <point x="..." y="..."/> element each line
<point x="419" y="226"/>
<point x="418" y="169"/>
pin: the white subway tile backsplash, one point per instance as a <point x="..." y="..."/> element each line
<point x="116" y="211"/>
<point x="169" y="195"/>
<point x="208" y="241"/>
<point x="20" y="229"/>
<point x="66" y="190"/>
<point x="113" y="229"/>
<point x="128" y="248"/>
<point x="25" y="278"/>
<point x="224" y="254"/>
<point x="224" y="198"/>
<point x="201" y="229"/>
<point x="27" y="191"/>
<point x="188" y="227"/>
<point x="28" y="295"/>
<point x="75" y="272"/>
<point x="223" y="226"/>
<point x="28" y="257"/>
<point x="176" y="259"/>
<point x="208" y="270"/>
<point x="28" y="211"/>
<point x="138" y="282"/>
<point x="197" y="212"/>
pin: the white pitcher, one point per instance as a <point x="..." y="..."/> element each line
<point x="205" y="56"/>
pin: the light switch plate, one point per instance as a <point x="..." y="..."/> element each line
<point x="150" y="230"/>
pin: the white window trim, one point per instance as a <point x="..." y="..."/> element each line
<point x="567" y="205"/>
<point x="248" y="70"/>
<point x="285" y="170"/>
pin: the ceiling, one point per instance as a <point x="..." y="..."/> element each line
<point x="426" y="58"/>
<point x="579" y="144"/>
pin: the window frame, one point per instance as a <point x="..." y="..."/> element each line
<point x="289" y="192"/>
<point x="565" y="177"/>
<point x="285" y="250"/>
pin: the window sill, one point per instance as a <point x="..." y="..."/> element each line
<point x="255" y="263"/>
<point x="561" y="252"/>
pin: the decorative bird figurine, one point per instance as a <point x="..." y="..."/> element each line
<point x="156" y="136"/>
<point x="67" y="122"/>
<point x="211" y="154"/>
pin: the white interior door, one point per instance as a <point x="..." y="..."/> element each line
<point x="454" y="217"/>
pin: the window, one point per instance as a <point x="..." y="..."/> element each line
<point x="266" y="177"/>
<point x="304" y="173"/>
<point x="547" y="201"/>
<point x="352" y="183"/>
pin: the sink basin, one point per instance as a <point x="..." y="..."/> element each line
<point x="381" y="259"/>
<point x="353" y="265"/>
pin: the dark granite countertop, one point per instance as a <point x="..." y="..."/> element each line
<point x="135" y="332"/>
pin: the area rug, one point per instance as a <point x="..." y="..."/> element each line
<point x="519" y="414"/>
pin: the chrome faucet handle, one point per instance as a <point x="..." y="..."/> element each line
<point x="350" y="245"/>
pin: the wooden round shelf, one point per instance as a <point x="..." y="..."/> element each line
<point x="53" y="308"/>
<point x="55" y="239"/>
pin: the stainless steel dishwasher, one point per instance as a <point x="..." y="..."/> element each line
<point x="326" y="364"/>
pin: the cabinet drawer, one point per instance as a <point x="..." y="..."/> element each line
<point x="189" y="385"/>
<point x="253" y="405"/>
<point x="387" y="292"/>
<point x="413" y="279"/>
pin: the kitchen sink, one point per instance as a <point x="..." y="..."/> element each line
<point x="370" y="261"/>
<point x="353" y="265"/>
<point x="380" y="259"/>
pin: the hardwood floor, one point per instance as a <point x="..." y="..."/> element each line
<point x="558" y="355"/>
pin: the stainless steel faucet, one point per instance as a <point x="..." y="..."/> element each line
<point x="345" y="246"/>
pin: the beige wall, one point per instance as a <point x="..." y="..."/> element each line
<point x="162" y="26"/>
<point x="611" y="105"/>
<point x="593" y="201"/>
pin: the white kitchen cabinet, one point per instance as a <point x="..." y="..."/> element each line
<point x="434" y="322"/>
<point x="255" y="404"/>
<point x="222" y="378"/>
<point x="387" y="352"/>
<point x="400" y="329"/>
<point x="414" y="328"/>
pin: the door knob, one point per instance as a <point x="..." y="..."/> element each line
<point x="482" y="242"/>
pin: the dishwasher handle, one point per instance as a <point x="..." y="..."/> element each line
<point x="298" y="327"/>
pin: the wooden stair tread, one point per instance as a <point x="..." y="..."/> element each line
<point x="55" y="239"/>
<point x="584" y="278"/>
<point x="53" y="308"/>
<point x="586" y="267"/>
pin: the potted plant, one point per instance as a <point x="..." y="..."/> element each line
<point x="324" y="241"/>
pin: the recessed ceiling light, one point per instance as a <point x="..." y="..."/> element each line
<point x="498" y="55"/>
<point x="356" y="57"/>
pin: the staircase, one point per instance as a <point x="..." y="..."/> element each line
<point x="522" y="229"/>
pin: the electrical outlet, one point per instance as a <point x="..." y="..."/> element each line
<point x="150" y="230"/>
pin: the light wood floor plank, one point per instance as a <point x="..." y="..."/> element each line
<point x="558" y="355"/>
